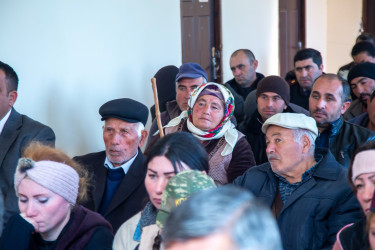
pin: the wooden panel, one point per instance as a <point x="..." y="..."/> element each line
<point x="188" y="47"/>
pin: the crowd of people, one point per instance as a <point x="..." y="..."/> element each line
<point x="259" y="162"/>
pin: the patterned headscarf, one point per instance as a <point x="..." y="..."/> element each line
<point x="225" y="128"/>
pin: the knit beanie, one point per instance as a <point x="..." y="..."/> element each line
<point x="365" y="69"/>
<point x="55" y="176"/>
<point x="274" y="84"/>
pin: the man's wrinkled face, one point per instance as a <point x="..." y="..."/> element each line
<point x="283" y="152"/>
<point x="362" y="88"/>
<point x="306" y="72"/>
<point x="243" y="71"/>
<point x="184" y="87"/>
<point x="121" y="140"/>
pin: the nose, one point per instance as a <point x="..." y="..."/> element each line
<point x="269" y="102"/>
<point x="360" y="88"/>
<point x="115" y="140"/>
<point x="237" y="72"/>
<point x="270" y="148"/>
<point x="160" y="185"/>
<point x="321" y="103"/>
<point x="369" y="191"/>
<point x="30" y="210"/>
<point x="304" y="72"/>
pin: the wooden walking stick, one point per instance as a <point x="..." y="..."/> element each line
<point x="157" y="110"/>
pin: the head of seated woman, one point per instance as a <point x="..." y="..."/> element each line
<point x="208" y="109"/>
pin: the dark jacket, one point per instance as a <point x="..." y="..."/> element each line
<point x="299" y="96"/>
<point x="240" y="95"/>
<point x="130" y="195"/>
<point x="355" y="109"/>
<point x="172" y="111"/>
<point x="346" y="140"/>
<point x="361" y="120"/>
<point x="85" y="230"/>
<point x="18" y="132"/>
<point x="315" y="211"/>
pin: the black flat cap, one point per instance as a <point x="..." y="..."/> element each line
<point x="125" y="109"/>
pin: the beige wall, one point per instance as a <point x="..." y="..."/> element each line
<point x="251" y="24"/>
<point x="331" y="28"/>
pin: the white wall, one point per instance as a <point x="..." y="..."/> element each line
<point x="343" y="26"/>
<point x="73" y="56"/>
<point x="254" y="25"/>
<point x="331" y="28"/>
<point x="316" y="26"/>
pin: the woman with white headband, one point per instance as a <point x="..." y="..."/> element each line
<point x="210" y="109"/>
<point x="361" y="177"/>
<point x="49" y="184"/>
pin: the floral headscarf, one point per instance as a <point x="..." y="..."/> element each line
<point x="225" y="128"/>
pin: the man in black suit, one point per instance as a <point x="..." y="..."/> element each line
<point x="118" y="189"/>
<point x="16" y="132"/>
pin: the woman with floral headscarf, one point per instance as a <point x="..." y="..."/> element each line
<point x="208" y="118"/>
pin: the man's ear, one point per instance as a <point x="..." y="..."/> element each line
<point x="144" y="134"/>
<point x="255" y="64"/>
<point x="321" y="67"/>
<point x="306" y="144"/>
<point x="344" y="107"/>
<point x="12" y="97"/>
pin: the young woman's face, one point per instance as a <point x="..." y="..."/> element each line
<point x="47" y="211"/>
<point x="159" y="171"/>
<point x="365" y="186"/>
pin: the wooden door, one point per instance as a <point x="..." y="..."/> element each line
<point x="200" y="35"/>
<point x="291" y="32"/>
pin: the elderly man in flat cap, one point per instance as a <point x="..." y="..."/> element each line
<point x="272" y="97"/>
<point x="305" y="187"/>
<point x="118" y="190"/>
<point x="362" y="82"/>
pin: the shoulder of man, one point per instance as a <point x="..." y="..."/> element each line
<point x="91" y="159"/>
<point x="253" y="176"/>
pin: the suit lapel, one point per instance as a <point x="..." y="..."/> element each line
<point x="133" y="178"/>
<point x="100" y="174"/>
<point x="10" y="133"/>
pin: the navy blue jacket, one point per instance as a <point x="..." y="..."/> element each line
<point x="315" y="211"/>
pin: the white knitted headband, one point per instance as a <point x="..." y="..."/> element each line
<point x="364" y="163"/>
<point x="55" y="176"/>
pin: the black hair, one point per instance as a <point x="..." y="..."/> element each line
<point x="365" y="37"/>
<point x="344" y="83"/>
<point x="11" y="77"/>
<point x="247" y="52"/>
<point x="360" y="47"/>
<point x="181" y="147"/>
<point x="304" y="54"/>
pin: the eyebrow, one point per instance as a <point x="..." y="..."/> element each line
<point x="155" y="172"/>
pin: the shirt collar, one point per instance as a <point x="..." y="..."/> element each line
<point x="4" y="120"/>
<point x="125" y="166"/>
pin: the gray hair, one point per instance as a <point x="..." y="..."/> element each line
<point x="140" y="128"/>
<point x="298" y="133"/>
<point x="226" y="209"/>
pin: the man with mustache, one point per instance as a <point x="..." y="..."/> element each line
<point x="328" y="101"/>
<point x="117" y="190"/>
<point x="272" y="97"/>
<point x="362" y="82"/>
<point x="307" y="67"/>
<point x="305" y="187"/>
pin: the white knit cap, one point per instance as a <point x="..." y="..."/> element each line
<point x="292" y="121"/>
<point x="363" y="163"/>
<point x="55" y="176"/>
